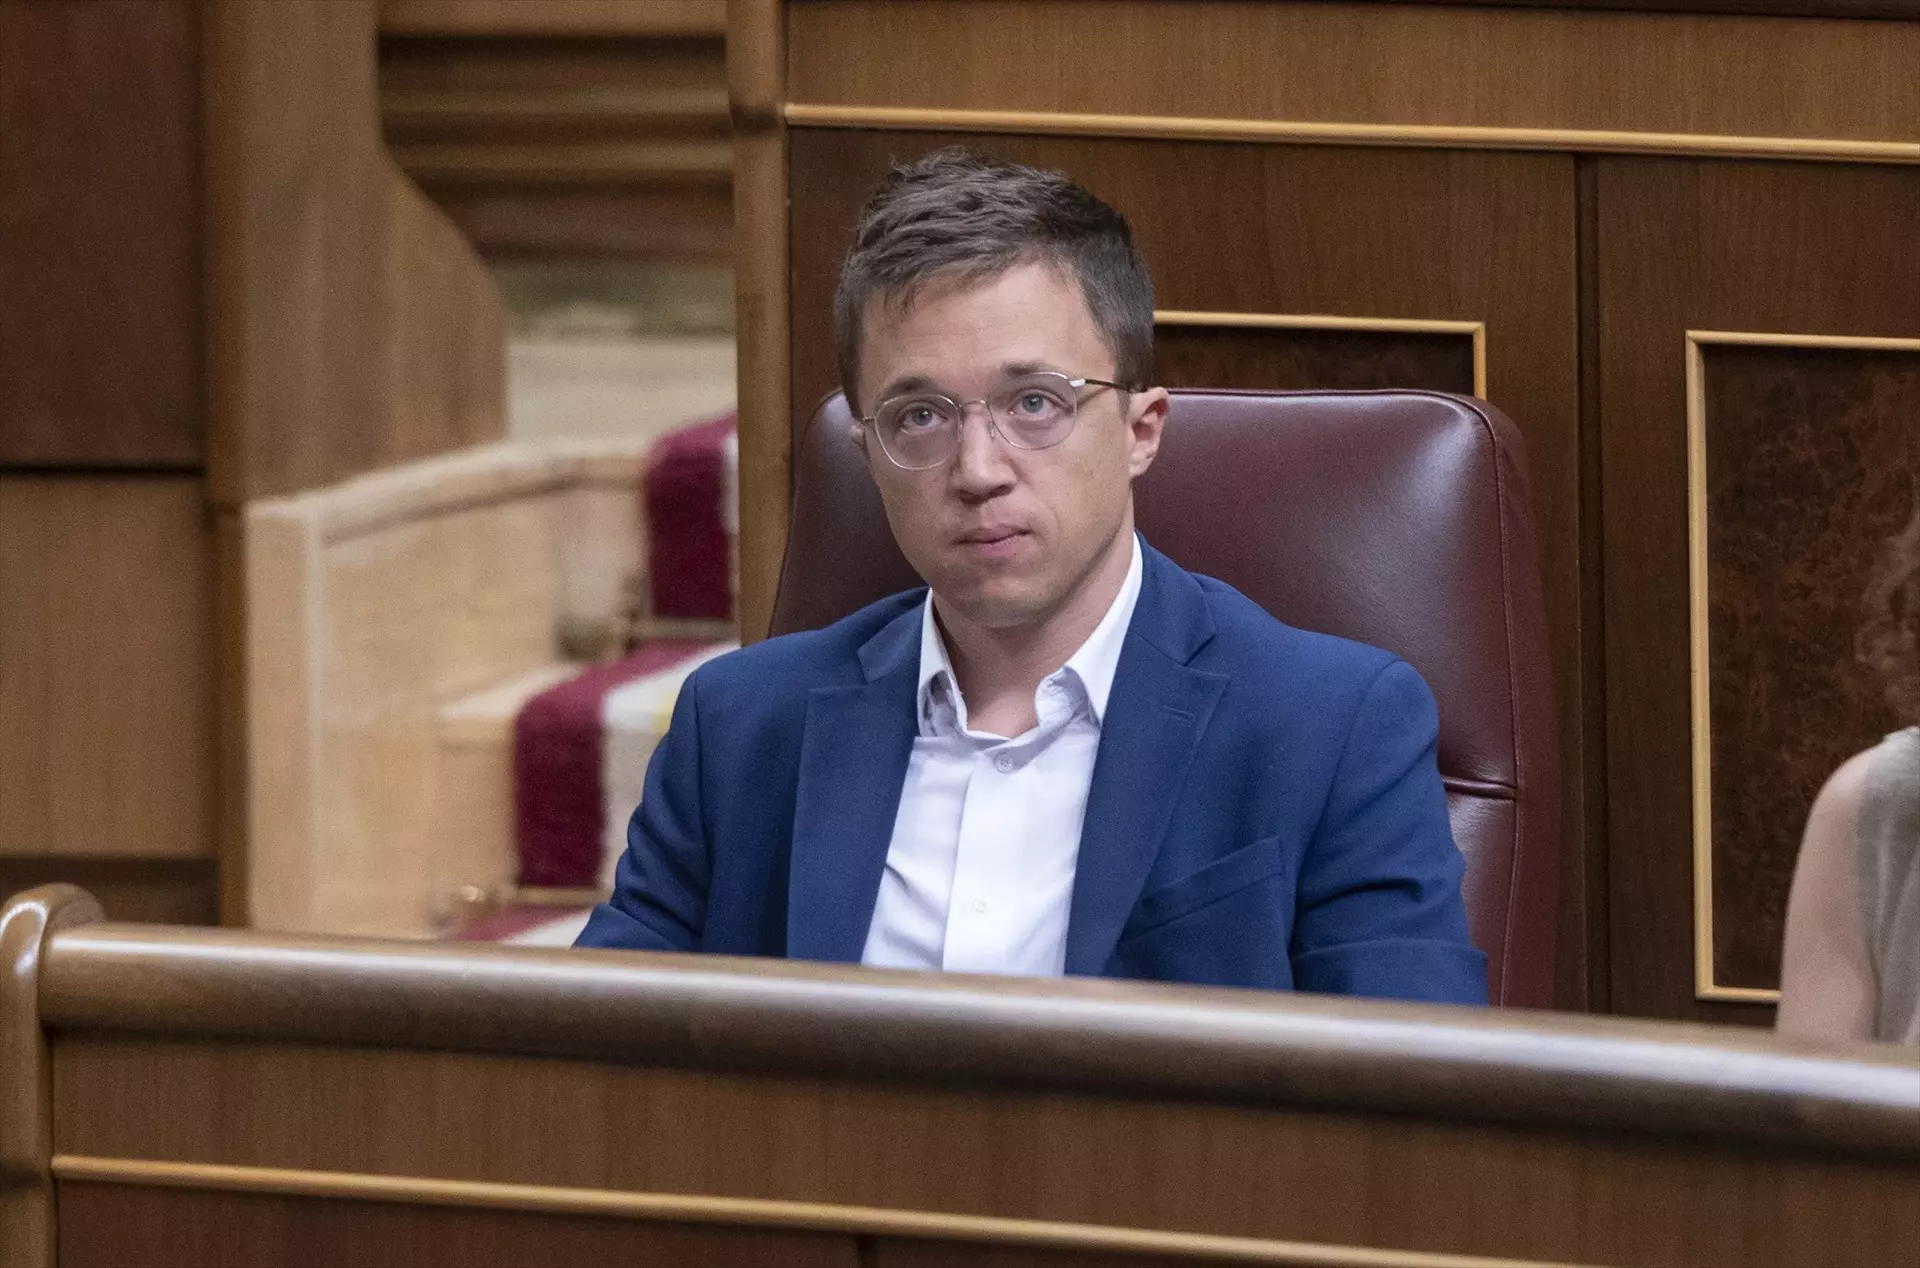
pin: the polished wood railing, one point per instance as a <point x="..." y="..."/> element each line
<point x="278" y="1097"/>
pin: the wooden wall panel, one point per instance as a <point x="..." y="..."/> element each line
<point x="127" y="1226"/>
<point x="162" y="891"/>
<point x="926" y="1149"/>
<point x="1362" y="63"/>
<point x="1721" y="246"/>
<point x="106" y="667"/>
<point x="1812" y="461"/>
<point x="897" y="1252"/>
<point x="1203" y="356"/>
<point x="553" y="17"/>
<point x="350" y="327"/>
<point x="99" y="209"/>
<point x="537" y="145"/>
<point x="1303" y="230"/>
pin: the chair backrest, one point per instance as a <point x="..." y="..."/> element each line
<point x="1397" y="518"/>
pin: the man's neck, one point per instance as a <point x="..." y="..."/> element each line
<point x="999" y="669"/>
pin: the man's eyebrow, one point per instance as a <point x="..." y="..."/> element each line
<point x="921" y="383"/>
<point x="910" y="383"/>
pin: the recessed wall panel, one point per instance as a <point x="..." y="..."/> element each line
<point x="1811" y="461"/>
<point x="1303" y="357"/>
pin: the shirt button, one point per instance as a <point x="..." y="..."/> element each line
<point x="1003" y="764"/>
<point x="980" y="906"/>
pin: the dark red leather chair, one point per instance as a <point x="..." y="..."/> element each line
<point x="1396" y="518"/>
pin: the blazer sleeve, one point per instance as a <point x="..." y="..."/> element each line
<point x="659" y="898"/>
<point x="1380" y="911"/>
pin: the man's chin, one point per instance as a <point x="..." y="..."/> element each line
<point x="992" y="602"/>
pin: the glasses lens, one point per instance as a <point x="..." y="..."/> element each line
<point x="917" y="431"/>
<point x="1035" y="411"/>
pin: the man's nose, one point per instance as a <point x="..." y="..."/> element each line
<point x="980" y="465"/>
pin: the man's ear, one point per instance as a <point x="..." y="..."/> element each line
<point x="1147" y="419"/>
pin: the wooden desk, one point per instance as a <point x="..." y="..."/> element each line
<point x="188" y="1097"/>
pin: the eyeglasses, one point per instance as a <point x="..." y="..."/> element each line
<point x="921" y="430"/>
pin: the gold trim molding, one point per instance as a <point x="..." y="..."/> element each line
<point x="1419" y="136"/>
<point x="1476" y="330"/>
<point x="1700" y="710"/>
<point x="755" y="1212"/>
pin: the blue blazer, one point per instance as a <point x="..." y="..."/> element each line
<point x="1265" y="809"/>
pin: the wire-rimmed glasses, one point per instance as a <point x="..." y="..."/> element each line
<point x="921" y="430"/>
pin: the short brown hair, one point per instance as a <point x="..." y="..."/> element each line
<point x="1889" y="641"/>
<point x="958" y="214"/>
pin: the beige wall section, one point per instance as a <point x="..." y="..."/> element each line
<point x="374" y="605"/>
<point x="106" y="667"/>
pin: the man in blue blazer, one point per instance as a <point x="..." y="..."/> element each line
<point x="1067" y="754"/>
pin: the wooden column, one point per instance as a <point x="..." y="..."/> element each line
<point x="349" y="325"/>
<point x="756" y="79"/>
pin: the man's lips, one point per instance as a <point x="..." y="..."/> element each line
<point x="989" y="536"/>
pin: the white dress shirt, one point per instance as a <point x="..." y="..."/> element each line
<point x="979" y="875"/>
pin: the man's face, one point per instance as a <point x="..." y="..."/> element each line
<point x="1006" y="537"/>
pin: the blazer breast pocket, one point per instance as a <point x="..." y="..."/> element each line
<point x="1217" y="881"/>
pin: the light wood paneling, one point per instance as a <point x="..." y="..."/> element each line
<point x="350" y="327"/>
<point x="756" y="78"/>
<point x="106" y="667"/>
<point x="1787" y="248"/>
<point x="99" y="219"/>
<point x="1368" y="64"/>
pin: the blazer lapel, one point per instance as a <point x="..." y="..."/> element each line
<point x="1155" y="716"/>
<point x="853" y="761"/>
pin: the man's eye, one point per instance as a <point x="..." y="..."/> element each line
<point x="919" y="417"/>
<point x="1033" y="403"/>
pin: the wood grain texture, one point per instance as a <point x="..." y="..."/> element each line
<point x="609" y="147"/>
<point x="1370" y="63"/>
<point x="1757" y="8"/>
<point x="967" y="1232"/>
<point x="689" y="223"/>
<point x="349" y="325"/>
<point x="120" y="1226"/>
<point x="1786" y="248"/>
<point x="152" y="891"/>
<point x="1297" y="1053"/>
<point x="1813" y="461"/>
<point x="99" y="224"/>
<point x="106" y="667"/>
<point x="1282" y="229"/>
<point x="232" y="690"/>
<point x="763" y="304"/>
<point x="1584" y="957"/>
<point x="553" y="17"/>
<point x="1097" y="1157"/>
<point x="26" y="1093"/>
<point x="1239" y="358"/>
